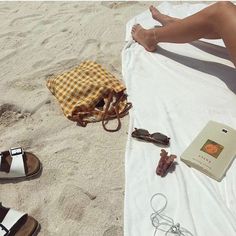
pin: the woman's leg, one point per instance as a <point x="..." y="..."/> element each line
<point x="217" y="21"/>
<point x="162" y="18"/>
<point x="165" y="20"/>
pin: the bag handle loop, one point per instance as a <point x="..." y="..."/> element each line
<point x="106" y="117"/>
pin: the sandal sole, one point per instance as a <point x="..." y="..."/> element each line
<point x="25" y="177"/>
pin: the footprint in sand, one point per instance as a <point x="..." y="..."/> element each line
<point x="115" y="5"/>
<point x="8" y="34"/>
<point x="8" y="54"/>
<point x="23" y="34"/>
<point x="113" y="231"/>
<point x="4" y="9"/>
<point x="26" y="143"/>
<point x="41" y="64"/>
<point x="24" y="20"/>
<point x="89" y="45"/>
<point x="24" y="85"/>
<point x="10" y="114"/>
<point x="12" y="40"/>
<point x="65" y="64"/>
<point x="73" y="201"/>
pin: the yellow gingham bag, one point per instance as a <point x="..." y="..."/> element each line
<point x="89" y="93"/>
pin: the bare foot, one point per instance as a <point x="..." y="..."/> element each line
<point x="146" y="38"/>
<point x="163" y="19"/>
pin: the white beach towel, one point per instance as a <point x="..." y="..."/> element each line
<point x="176" y="91"/>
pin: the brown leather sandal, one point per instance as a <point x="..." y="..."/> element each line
<point x="15" y="223"/>
<point x="17" y="164"/>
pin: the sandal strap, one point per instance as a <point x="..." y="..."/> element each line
<point x="17" y="168"/>
<point x="10" y="219"/>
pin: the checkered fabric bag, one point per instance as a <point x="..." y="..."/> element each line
<point x="89" y="93"/>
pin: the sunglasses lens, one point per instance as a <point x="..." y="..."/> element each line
<point x="161" y="138"/>
<point x="141" y="132"/>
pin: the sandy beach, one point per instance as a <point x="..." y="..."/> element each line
<point x="81" y="189"/>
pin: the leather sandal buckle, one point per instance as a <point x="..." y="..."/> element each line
<point x="16" y="151"/>
<point x="3" y="228"/>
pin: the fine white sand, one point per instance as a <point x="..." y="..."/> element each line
<point x="81" y="189"/>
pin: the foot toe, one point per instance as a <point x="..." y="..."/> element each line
<point x="135" y="27"/>
<point x="151" y="8"/>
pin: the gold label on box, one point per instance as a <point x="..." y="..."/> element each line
<point x="212" y="148"/>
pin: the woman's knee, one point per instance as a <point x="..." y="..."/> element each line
<point x="223" y="8"/>
<point x="220" y="12"/>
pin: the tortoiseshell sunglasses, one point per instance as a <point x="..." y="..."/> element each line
<point x="157" y="138"/>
